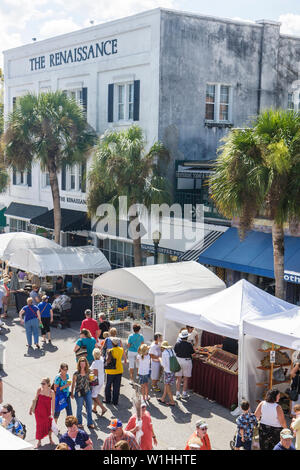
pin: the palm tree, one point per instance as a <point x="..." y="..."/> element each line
<point x="49" y="128"/>
<point x="258" y="173"/>
<point x="122" y="167"/>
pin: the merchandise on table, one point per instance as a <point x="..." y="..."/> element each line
<point x="216" y="357"/>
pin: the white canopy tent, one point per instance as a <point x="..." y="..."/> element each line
<point x="13" y="241"/>
<point x="10" y="442"/>
<point x="283" y="329"/>
<point x="224" y="314"/>
<point x="159" y="284"/>
<point x="55" y="262"/>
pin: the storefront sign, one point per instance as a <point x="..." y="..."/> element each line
<point x="76" y="54"/>
<point x="165" y="251"/>
<point x="73" y="200"/>
<point x="294" y="278"/>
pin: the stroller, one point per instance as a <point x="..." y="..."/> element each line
<point x="61" y="319"/>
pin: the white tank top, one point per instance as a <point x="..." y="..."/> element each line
<point x="269" y="415"/>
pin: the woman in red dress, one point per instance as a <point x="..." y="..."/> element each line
<point x="43" y="407"/>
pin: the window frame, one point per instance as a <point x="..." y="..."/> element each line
<point x="128" y="101"/>
<point x="217" y="103"/>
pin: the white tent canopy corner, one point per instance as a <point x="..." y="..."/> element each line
<point x="13" y="241"/>
<point x="55" y="262"/>
<point x="241" y="308"/>
<point x="9" y="441"/>
<point x="159" y="284"/>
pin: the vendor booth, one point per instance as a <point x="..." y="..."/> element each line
<point x="71" y="262"/>
<point x="9" y="441"/>
<point x="13" y="241"/>
<point x="217" y="373"/>
<point x="148" y="289"/>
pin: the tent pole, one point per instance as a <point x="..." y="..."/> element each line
<point x="271" y="371"/>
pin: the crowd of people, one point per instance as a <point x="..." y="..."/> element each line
<point x="100" y="356"/>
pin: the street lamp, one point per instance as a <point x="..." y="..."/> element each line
<point x="156" y="236"/>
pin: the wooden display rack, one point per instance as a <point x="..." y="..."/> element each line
<point x="273" y="366"/>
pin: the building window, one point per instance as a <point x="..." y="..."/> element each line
<point x="290" y="104"/>
<point x="210" y="102"/>
<point x="118" y="253"/>
<point x="218" y="103"/>
<point x="74" y="180"/>
<point x="75" y="95"/>
<point x="16" y="225"/>
<point x="125" y="101"/>
<point x="45" y="180"/>
<point x="20" y="178"/>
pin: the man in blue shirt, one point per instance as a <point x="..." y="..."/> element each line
<point x="133" y="343"/>
<point x="46" y="317"/>
<point x="286" y="439"/>
<point x="75" y="438"/>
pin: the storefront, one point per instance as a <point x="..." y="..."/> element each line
<point x="252" y="259"/>
<point x="18" y="216"/>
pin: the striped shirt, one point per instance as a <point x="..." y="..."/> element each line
<point x="111" y="441"/>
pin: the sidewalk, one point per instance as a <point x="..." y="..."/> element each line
<point x="22" y="375"/>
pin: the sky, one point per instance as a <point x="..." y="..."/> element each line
<point x="22" y="20"/>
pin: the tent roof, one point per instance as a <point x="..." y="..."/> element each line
<point x="159" y="284"/>
<point x="279" y="329"/>
<point x="55" y="262"/>
<point x="13" y="241"/>
<point x="9" y="441"/>
<point x="222" y="313"/>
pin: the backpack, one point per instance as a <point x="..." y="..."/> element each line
<point x="174" y="364"/>
<point x="110" y="361"/>
<point x="14" y="429"/>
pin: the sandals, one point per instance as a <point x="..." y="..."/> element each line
<point x="162" y="402"/>
<point x="171" y="404"/>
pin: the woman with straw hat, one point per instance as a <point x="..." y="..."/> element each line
<point x="169" y="376"/>
<point x="144" y="369"/>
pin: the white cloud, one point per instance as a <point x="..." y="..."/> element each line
<point x="56" y="27"/>
<point x="290" y="24"/>
<point x="102" y="10"/>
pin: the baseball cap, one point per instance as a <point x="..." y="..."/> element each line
<point x="201" y="424"/>
<point x="286" y="434"/>
<point x="115" y="423"/>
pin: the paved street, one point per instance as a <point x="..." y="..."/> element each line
<point x="22" y="375"/>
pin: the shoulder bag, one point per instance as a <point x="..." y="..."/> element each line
<point x="174" y="364"/>
<point x="81" y="352"/>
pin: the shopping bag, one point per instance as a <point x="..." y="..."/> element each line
<point x="60" y="401"/>
<point x="174" y="364"/>
<point x="54" y="428"/>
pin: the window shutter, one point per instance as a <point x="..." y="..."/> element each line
<point x="136" y="97"/>
<point x="63" y="177"/>
<point x="110" y="113"/>
<point x="29" y="179"/>
<point x="14" y="176"/>
<point x="83" y="178"/>
<point x="84" y="100"/>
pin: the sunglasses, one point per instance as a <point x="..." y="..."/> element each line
<point x="5" y="412"/>
<point x="43" y="383"/>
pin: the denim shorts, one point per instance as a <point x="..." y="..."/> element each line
<point x="143" y="379"/>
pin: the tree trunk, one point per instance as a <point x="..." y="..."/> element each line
<point x="278" y="254"/>
<point x="56" y="204"/>
<point x="133" y="233"/>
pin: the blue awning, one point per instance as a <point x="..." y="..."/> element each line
<point x="253" y="255"/>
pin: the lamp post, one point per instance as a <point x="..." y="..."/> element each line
<point x="156" y="236"/>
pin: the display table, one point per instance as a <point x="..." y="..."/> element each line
<point x="214" y="383"/>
